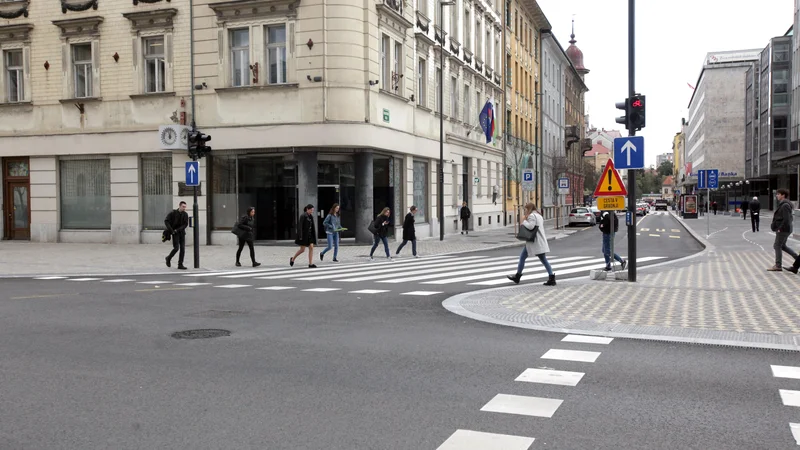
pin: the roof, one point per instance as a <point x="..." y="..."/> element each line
<point x="598" y="149"/>
<point x="667" y="181"/>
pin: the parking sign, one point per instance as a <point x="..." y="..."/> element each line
<point x="528" y="183"/>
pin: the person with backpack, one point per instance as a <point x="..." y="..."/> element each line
<point x="333" y="225"/>
<point x="465" y="214"/>
<point x="380" y="229"/>
<point x="533" y="221"/>
<point x="409" y="232"/>
<point x="176" y="223"/>
<point x="606" y="220"/>
<point x="306" y="236"/>
<point x="782" y="226"/>
<point x="245" y="231"/>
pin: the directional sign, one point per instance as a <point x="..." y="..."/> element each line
<point x="527" y="180"/>
<point x="713" y="178"/>
<point x="192" y="173"/>
<point x="701" y="179"/>
<point x="610" y="184"/>
<point x="629" y="152"/>
<point x="611" y="203"/>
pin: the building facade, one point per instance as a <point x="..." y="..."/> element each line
<point x="554" y="161"/>
<point x="664" y="157"/>
<point x="577" y="144"/>
<point x="306" y="104"/>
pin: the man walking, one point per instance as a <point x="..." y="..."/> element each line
<point x="744" y="210"/>
<point x="409" y="232"/>
<point x="782" y="226"/>
<point x="607" y="230"/>
<point x="714" y="207"/>
<point x="755" y="210"/>
<point x="176" y="223"/>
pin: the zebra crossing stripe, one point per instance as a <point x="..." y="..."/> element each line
<point x="531" y="273"/>
<point x="551" y="376"/>
<point x="477" y="440"/>
<point x="494" y="268"/>
<point x="571" y="355"/>
<point x="583" y="339"/>
<point x="371" y="271"/>
<point x="523" y="405"/>
<point x="795" y="427"/>
<point x="295" y="273"/>
<point x="431" y="269"/>
<point x="786" y="372"/>
<point x="790" y="398"/>
<point x="50" y="278"/>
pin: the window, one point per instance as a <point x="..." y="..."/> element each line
<point x="509" y="176"/>
<point x="780" y="141"/>
<point x="478" y="176"/>
<point x="422" y="6"/>
<point x="478" y="45"/>
<point x="497" y="65"/>
<point x="454" y="98"/>
<point x="156" y="190"/>
<point x="780" y="52"/>
<point x="276" y="53"/>
<point x="780" y="87"/>
<point x="155" y="66"/>
<point x="437" y="82"/>
<point x="82" y="67"/>
<point x="487" y="57"/>
<point x="467" y="23"/>
<point x="454" y="22"/>
<point x="421" y="190"/>
<point x="224" y="190"/>
<point x="467" y="119"/>
<point x="85" y="194"/>
<point x="385" y="42"/>
<point x="454" y="184"/>
<point x="422" y="84"/>
<point x="240" y="57"/>
<point x="14" y="76"/>
<point x="398" y="68"/>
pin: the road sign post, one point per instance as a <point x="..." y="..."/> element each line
<point x="528" y="182"/>
<point x="712" y="182"/>
<point x="192" y="173"/>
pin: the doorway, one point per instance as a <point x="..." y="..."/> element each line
<point x="16" y="201"/>
<point x="327" y="195"/>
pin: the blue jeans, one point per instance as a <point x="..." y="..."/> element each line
<point x="542" y="257"/>
<point x="333" y="241"/>
<point x="607" y="250"/>
<point x="413" y="247"/>
<point x="379" y="239"/>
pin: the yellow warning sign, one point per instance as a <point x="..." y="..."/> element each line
<point x="610" y="184"/>
<point x="611" y="203"/>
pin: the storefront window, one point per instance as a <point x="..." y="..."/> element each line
<point x="223" y="196"/>
<point x="156" y="190"/>
<point x="421" y="190"/>
<point x="85" y="194"/>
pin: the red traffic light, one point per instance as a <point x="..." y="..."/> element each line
<point x="636" y="103"/>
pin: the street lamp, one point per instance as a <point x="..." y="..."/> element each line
<point x="440" y="198"/>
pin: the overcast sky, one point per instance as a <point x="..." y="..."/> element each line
<point x="672" y="39"/>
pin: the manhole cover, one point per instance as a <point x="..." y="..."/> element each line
<point x="200" y="334"/>
<point x="218" y="314"/>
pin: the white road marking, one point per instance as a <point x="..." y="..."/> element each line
<point x="674" y="237"/>
<point x="83" y="279"/>
<point x="425" y="293"/>
<point x="551" y="376"/>
<point x="792" y="372"/>
<point x="369" y="291"/>
<point x="654" y="235"/>
<point x="501" y="271"/>
<point x="369" y="272"/>
<point x="599" y="264"/>
<point x="675" y="230"/>
<point x="523" y="405"/>
<point x="233" y="286"/>
<point x="192" y="284"/>
<point x="154" y="282"/>
<point x="795" y="427"/>
<point x="571" y="355"/>
<point x="491" y="267"/>
<point x="790" y="398"/>
<point x="587" y="339"/>
<point x="477" y="440"/>
<point x="321" y="290"/>
<point x="374" y="266"/>
<point x="119" y="280"/>
<point x="276" y="288"/>
<point x="50" y="278"/>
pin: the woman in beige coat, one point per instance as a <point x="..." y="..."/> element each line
<point x="538" y="247"/>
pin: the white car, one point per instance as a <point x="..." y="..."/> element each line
<point x="582" y="216"/>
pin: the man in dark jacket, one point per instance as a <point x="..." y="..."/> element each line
<point x="755" y="214"/>
<point x="605" y="226"/>
<point x="744" y="210"/>
<point x="409" y="232"/>
<point x="782" y="226"/>
<point x="306" y="236"/>
<point x="176" y="223"/>
<point x="465" y="214"/>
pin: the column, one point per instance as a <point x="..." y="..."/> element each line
<point x="364" y="196"/>
<point x="307" y="179"/>
<point x="44" y="199"/>
<point x="125" y="223"/>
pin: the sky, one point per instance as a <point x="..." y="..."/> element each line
<point x="672" y="39"/>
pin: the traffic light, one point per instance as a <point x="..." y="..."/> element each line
<point x="197" y="144"/>
<point x="623" y="119"/>
<point x="636" y="112"/>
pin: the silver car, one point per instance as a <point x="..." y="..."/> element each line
<point x="582" y="216"/>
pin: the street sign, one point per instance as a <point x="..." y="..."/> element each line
<point x="192" y="173"/>
<point x="713" y="178"/>
<point x="611" y="203"/>
<point x="701" y="179"/>
<point x="629" y="152"/>
<point x="563" y="186"/>
<point x="528" y="183"/>
<point x="610" y="184"/>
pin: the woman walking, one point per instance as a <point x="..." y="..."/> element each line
<point x="380" y="229"/>
<point x="306" y="236"/>
<point x="535" y="222"/>
<point x="332" y="224"/>
<point x="409" y="232"/>
<point x="246" y="234"/>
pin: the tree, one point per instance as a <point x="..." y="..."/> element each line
<point x="516" y="153"/>
<point x="665" y="168"/>
<point x="648" y="182"/>
<point x="591" y="176"/>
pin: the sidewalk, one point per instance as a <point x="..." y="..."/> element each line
<point x="723" y="295"/>
<point x="22" y="258"/>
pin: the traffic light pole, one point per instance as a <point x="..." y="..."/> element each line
<point x="631" y="132"/>
<point x="195" y="208"/>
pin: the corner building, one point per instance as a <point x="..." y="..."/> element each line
<point x="307" y="102"/>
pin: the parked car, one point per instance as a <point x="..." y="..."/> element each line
<point x="641" y="209"/>
<point x="581" y="216"/>
<point x="597" y="213"/>
<point x="662" y="205"/>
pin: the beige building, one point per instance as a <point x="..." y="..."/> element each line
<point x="306" y="103"/>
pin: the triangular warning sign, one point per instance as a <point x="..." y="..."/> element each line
<point x="610" y="183"/>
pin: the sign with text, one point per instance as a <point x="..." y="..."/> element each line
<point x="616" y="203"/>
<point x="528" y="183"/>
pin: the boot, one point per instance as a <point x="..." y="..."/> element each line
<point x="515" y="278"/>
<point x="551" y="281"/>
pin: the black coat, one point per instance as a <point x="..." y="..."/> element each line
<point x="380" y="229"/>
<point x="246" y="226"/>
<point x="605" y="223"/>
<point x="176" y="222"/>
<point x="755" y="206"/>
<point x="409" y="232"/>
<point x="465" y="213"/>
<point x="306" y="230"/>
<point x="782" y="220"/>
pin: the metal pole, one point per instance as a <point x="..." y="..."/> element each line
<point x="708" y="216"/>
<point x="440" y="198"/>
<point x="503" y="83"/>
<point x="631" y="132"/>
<point x="195" y="208"/>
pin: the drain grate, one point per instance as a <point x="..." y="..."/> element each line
<point x="200" y="334"/>
<point x="217" y="314"/>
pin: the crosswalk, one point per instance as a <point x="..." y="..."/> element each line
<point x="400" y="274"/>
<point x="790" y="377"/>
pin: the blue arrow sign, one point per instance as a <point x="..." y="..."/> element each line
<point x="701" y="179"/>
<point x="713" y="178"/>
<point x="629" y="152"/>
<point x="192" y="173"/>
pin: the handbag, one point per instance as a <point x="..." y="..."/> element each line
<point x="528" y="235"/>
<point x="236" y="230"/>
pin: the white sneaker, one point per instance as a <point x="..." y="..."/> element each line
<point x="416" y="256"/>
<point x="371" y="259"/>
<point x="390" y="258"/>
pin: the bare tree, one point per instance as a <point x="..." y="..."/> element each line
<point x="517" y="157"/>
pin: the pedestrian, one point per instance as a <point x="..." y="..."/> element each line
<point x="246" y="234"/>
<point x="176" y="222"/>
<point x="606" y="228"/>
<point x="714" y="207"/>
<point x="782" y="226"/>
<point x="744" y="210"/>
<point x="409" y="232"/>
<point x="495" y="191"/>
<point x="380" y="229"/>
<point x="535" y="222"/>
<point x="465" y="214"/>
<point x="755" y="218"/>
<point x="333" y="225"/>
<point x="306" y="236"/>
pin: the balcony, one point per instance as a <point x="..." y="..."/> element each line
<point x="393" y="10"/>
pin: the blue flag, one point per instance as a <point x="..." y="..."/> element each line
<point x="487" y="121"/>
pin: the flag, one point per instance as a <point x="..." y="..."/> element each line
<point x="487" y="121"/>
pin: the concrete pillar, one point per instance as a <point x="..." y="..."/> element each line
<point x="364" y="196"/>
<point x="125" y="222"/>
<point x="306" y="179"/>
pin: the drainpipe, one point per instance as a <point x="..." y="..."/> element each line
<point x="503" y="82"/>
